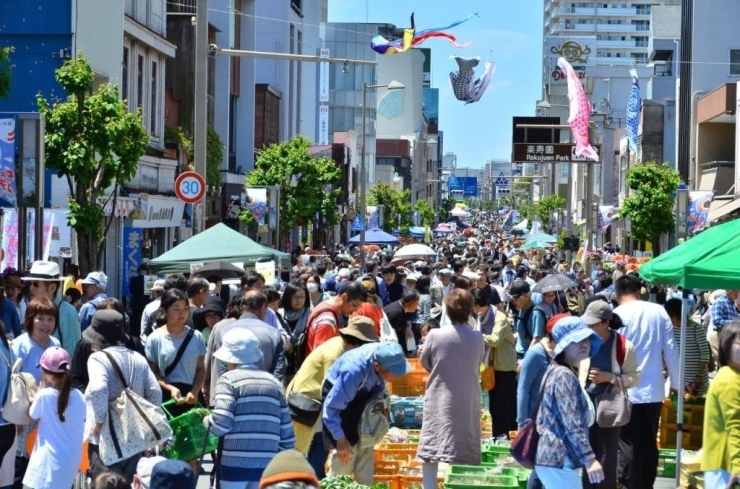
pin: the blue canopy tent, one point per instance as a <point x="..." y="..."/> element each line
<point x="417" y="232"/>
<point x="376" y="237"/>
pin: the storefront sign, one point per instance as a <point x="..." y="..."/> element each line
<point x="154" y="211"/>
<point x="8" y="195"/>
<point x="576" y="50"/>
<point x="131" y="244"/>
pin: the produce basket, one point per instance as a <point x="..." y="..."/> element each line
<point x="190" y="439"/>
<point x="666" y="463"/>
<point x="468" y="481"/>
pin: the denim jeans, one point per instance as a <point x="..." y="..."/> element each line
<point x="317" y="455"/>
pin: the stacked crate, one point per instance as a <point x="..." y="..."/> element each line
<point x="693" y="425"/>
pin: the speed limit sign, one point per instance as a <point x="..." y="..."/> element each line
<point x="190" y="187"/>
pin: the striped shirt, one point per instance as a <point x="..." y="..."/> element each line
<point x="697" y="352"/>
<point x="252" y="415"/>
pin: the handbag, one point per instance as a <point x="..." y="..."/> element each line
<point x="21" y="391"/>
<point x="613" y="407"/>
<point x="387" y="333"/>
<point x="303" y="409"/>
<point x="488" y="374"/>
<point x="134" y="424"/>
<point x="524" y="446"/>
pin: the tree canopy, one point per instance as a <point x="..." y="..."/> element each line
<point x="545" y="208"/>
<point x="5" y="68"/>
<point x="308" y="185"/>
<point x="397" y="207"/>
<point x="95" y="143"/>
<point x="649" y="207"/>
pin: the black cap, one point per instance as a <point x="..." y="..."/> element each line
<point x="518" y="288"/>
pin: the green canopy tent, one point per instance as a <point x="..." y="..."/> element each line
<point x="535" y="244"/>
<point x="219" y="243"/>
<point x="705" y="261"/>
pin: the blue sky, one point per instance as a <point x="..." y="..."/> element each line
<point x="507" y="32"/>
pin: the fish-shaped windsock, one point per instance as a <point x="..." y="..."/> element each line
<point x="634" y="106"/>
<point x="464" y="85"/>
<point x="580" y="112"/>
<point x="411" y="38"/>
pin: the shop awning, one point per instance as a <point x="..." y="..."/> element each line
<point x="723" y="211"/>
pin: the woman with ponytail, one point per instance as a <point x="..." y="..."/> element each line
<point x="60" y="411"/>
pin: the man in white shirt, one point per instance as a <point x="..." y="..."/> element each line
<point x="649" y="329"/>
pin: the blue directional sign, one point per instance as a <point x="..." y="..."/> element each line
<point x="358" y="224"/>
<point x="502" y="181"/>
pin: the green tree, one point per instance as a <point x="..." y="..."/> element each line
<point x="5" y="71"/>
<point x="308" y="185"/>
<point x="214" y="157"/>
<point x="397" y="207"/>
<point x="545" y="208"/>
<point x="426" y="213"/>
<point x="446" y="208"/>
<point x="649" y="207"/>
<point x="95" y="143"/>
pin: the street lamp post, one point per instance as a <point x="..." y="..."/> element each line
<point x="393" y="85"/>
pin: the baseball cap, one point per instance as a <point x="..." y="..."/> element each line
<point x="96" y="278"/>
<point x="596" y="312"/>
<point x="55" y="359"/>
<point x="144" y="469"/>
<point x="391" y="357"/>
<point x="518" y="288"/>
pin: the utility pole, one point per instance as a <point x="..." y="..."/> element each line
<point x="200" y="106"/>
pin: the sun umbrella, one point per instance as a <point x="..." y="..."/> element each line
<point x="459" y="212"/>
<point x="547" y="238"/>
<point x="554" y="283"/>
<point x="414" y="252"/>
<point x="535" y="245"/>
<point x="222" y="269"/>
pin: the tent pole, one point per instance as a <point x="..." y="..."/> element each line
<point x="681" y="381"/>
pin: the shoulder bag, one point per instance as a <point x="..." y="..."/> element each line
<point x="387" y="333"/>
<point x="20" y="394"/>
<point x="613" y="407"/>
<point x="524" y="446"/>
<point x="304" y="409"/>
<point x="134" y="424"/>
<point x="180" y="353"/>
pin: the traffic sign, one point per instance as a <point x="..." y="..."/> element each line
<point x="358" y="224"/>
<point x="501" y="181"/>
<point x="550" y="153"/>
<point x="190" y="187"/>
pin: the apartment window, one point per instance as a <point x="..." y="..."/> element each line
<point x="734" y="61"/>
<point x="140" y="82"/>
<point x="297" y="6"/>
<point x="564" y="170"/>
<point x="153" y="109"/>
<point x="124" y="75"/>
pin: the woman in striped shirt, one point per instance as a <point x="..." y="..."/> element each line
<point x="696" y="374"/>
<point x="250" y="413"/>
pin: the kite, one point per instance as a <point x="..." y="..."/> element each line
<point x="411" y="38"/>
<point x="464" y="86"/>
<point x="580" y="112"/>
<point x="633" y="110"/>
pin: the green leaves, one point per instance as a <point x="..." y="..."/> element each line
<point x="545" y="208"/>
<point x="96" y="143"/>
<point x="650" y="205"/>
<point x="214" y="157"/>
<point x="5" y="69"/>
<point x="397" y="207"/>
<point x="426" y="213"/>
<point x="308" y="185"/>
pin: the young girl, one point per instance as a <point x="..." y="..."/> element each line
<point x="60" y="410"/>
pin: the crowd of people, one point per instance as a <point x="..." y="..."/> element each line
<point x="296" y="373"/>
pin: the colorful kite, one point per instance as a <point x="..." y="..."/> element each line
<point x="465" y="87"/>
<point x="411" y="38"/>
<point x="634" y="106"/>
<point x="580" y="112"/>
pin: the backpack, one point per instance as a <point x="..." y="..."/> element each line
<point x="300" y="338"/>
<point x="530" y="312"/>
<point x="20" y="394"/>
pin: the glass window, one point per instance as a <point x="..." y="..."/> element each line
<point x="735" y="61"/>
<point x="140" y="82"/>
<point x="153" y="109"/>
<point x="124" y="75"/>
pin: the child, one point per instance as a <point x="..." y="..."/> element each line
<point x="60" y="410"/>
<point x="424" y="330"/>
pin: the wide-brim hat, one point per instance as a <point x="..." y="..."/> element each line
<point x="43" y="271"/>
<point x="240" y="347"/>
<point x="574" y="330"/>
<point x="362" y="328"/>
<point x="106" y="328"/>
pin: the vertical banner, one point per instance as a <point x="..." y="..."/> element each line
<point x="324" y="124"/>
<point x="605" y="217"/>
<point x="132" y="240"/>
<point x="699" y="203"/>
<point x="8" y="196"/>
<point x="255" y="201"/>
<point x="57" y="237"/>
<point x="373" y="220"/>
<point x="274" y="200"/>
<point x="10" y="239"/>
<point x="324" y="76"/>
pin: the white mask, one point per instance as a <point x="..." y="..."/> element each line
<point x="312" y="287"/>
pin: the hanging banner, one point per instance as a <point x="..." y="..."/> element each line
<point x="606" y="213"/>
<point x="255" y="201"/>
<point x="324" y="124"/>
<point x="154" y="211"/>
<point x="373" y="220"/>
<point x="8" y="192"/>
<point x="324" y="76"/>
<point x="131" y="244"/>
<point x="699" y="203"/>
<point x="267" y="270"/>
<point x="57" y="236"/>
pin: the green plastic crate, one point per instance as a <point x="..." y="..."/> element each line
<point x="482" y="469"/>
<point x="666" y="463"/>
<point x="472" y="481"/>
